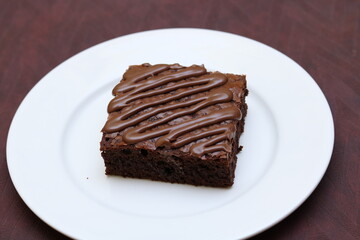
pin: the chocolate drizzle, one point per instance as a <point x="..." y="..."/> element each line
<point x="177" y="91"/>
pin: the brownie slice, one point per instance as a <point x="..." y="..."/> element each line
<point x="175" y="124"/>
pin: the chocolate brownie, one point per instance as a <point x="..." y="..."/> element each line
<point x="175" y="124"/>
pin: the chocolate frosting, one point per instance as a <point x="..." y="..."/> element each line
<point x="174" y="92"/>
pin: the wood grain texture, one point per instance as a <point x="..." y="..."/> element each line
<point x="323" y="36"/>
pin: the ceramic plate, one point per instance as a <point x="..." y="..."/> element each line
<point x="55" y="164"/>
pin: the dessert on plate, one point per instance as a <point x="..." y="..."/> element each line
<point x="175" y="124"/>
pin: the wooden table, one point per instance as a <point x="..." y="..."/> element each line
<point x="322" y="36"/>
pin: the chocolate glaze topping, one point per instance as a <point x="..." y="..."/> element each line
<point x="174" y="92"/>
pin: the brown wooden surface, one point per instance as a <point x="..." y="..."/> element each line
<point x="322" y="36"/>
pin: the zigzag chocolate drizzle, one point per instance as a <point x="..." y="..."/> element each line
<point x="178" y="92"/>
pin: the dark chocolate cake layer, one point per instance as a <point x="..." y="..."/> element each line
<point x="175" y="124"/>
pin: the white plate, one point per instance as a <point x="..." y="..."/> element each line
<point x="55" y="164"/>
